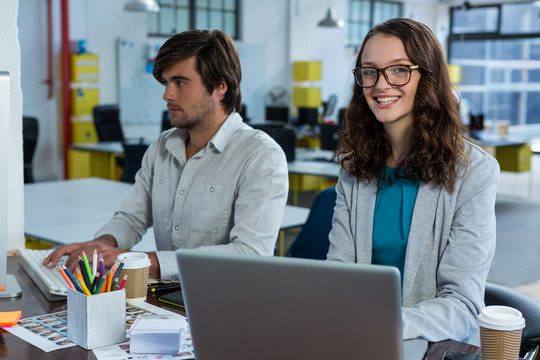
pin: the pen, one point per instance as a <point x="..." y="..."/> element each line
<point x="122" y="283"/>
<point x="163" y="287"/>
<point x="94" y="263"/>
<point x="88" y="270"/>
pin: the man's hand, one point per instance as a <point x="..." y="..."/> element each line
<point x="106" y="245"/>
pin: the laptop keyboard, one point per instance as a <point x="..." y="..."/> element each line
<point x="49" y="280"/>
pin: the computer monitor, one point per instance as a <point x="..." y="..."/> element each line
<point x="277" y="113"/>
<point x="308" y="116"/>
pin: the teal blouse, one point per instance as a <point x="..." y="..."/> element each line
<point x="392" y="219"/>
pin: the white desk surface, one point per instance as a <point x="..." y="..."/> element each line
<point x="68" y="211"/>
<point x="307" y="162"/>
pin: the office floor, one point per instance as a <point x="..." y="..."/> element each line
<point x="518" y="247"/>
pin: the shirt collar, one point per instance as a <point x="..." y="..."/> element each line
<point x="225" y="132"/>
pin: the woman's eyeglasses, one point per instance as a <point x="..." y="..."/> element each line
<point x="396" y="75"/>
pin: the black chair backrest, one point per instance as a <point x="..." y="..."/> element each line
<point x="107" y="123"/>
<point x="286" y="138"/>
<point x="30" y="136"/>
<point x="243" y="113"/>
<point x="166" y="120"/>
<point x="530" y="308"/>
<point x="312" y="241"/>
<point x="133" y="154"/>
<point x="329" y="136"/>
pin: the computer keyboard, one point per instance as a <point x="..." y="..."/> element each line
<point x="49" y="280"/>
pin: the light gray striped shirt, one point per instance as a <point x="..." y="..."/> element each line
<point x="229" y="197"/>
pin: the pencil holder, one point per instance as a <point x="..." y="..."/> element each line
<point x="96" y="320"/>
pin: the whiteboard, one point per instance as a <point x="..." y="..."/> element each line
<point x="140" y="95"/>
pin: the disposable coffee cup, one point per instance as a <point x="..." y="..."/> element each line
<point x="136" y="267"/>
<point x="501" y="328"/>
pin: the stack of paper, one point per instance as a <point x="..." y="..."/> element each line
<point x="9" y="318"/>
<point x="162" y="334"/>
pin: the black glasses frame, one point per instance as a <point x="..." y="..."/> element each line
<point x="383" y="70"/>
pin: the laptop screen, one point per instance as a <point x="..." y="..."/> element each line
<point x="253" y="307"/>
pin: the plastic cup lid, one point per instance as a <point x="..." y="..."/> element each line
<point x="134" y="260"/>
<point x="501" y="318"/>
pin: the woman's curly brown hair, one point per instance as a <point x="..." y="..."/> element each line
<point x="437" y="142"/>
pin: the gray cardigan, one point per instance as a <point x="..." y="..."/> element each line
<point x="449" y="251"/>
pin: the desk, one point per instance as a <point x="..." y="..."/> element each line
<point x="33" y="303"/>
<point x="94" y="159"/>
<point x="63" y="212"/>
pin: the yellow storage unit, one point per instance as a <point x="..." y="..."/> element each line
<point x="307" y="71"/>
<point x="307" y="97"/>
<point x="83" y="132"/>
<point x="83" y="101"/>
<point x="84" y="67"/>
<point x="514" y="158"/>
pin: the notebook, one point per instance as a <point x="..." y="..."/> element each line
<point x="254" y="307"/>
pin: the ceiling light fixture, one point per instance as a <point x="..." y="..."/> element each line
<point x="142" y="5"/>
<point x="330" y="20"/>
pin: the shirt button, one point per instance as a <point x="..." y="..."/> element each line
<point x="181" y="192"/>
<point x="161" y="181"/>
<point x="211" y="189"/>
<point x="176" y="227"/>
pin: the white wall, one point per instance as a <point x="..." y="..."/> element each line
<point x="11" y="164"/>
<point x="99" y="22"/>
<point x="287" y="28"/>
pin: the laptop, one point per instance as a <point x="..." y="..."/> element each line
<point x="253" y="307"/>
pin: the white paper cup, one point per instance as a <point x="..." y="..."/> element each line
<point x="501" y="328"/>
<point x="136" y="267"/>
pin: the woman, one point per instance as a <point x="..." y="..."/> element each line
<point x="413" y="192"/>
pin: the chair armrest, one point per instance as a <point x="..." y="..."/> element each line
<point x="529" y="307"/>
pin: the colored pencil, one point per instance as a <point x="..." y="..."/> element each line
<point x="118" y="269"/>
<point x="73" y="281"/>
<point x="88" y="270"/>
<point x="122" y="283"/>
<point x="109" y="280"/>
<point x="101" y="264"/>
<point x="94" y="263"/>
<point x="100" y="285"/>
<point x="85" y="289"/>
<point x="84" y="273"/>
<point x="68" y="280"/>
<point x="94" y="283"/>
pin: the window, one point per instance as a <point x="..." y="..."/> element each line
<point x="364" y="14"/>
<point x="180" y="15"/>
<point x="498" y="50"/>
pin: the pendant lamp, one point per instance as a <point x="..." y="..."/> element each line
<point x="142" y="5"/>
<point x="330" y="20"/>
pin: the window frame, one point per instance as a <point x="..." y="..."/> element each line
<point x="192" y="9"/>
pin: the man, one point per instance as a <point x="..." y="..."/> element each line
<point x="212" y="182"/>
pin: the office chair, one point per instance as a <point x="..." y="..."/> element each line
<point x="165" y="120"/>
<point x="30" y="136"/>
<point x="312" y="241"/>
<point x="133" y="154"/>
<point x="329" y="136"/>
<point x="107" y="123"/>
<point x="243" y="113"/>
<point x="528" y="306"/>
<point x="286" y="138"/>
